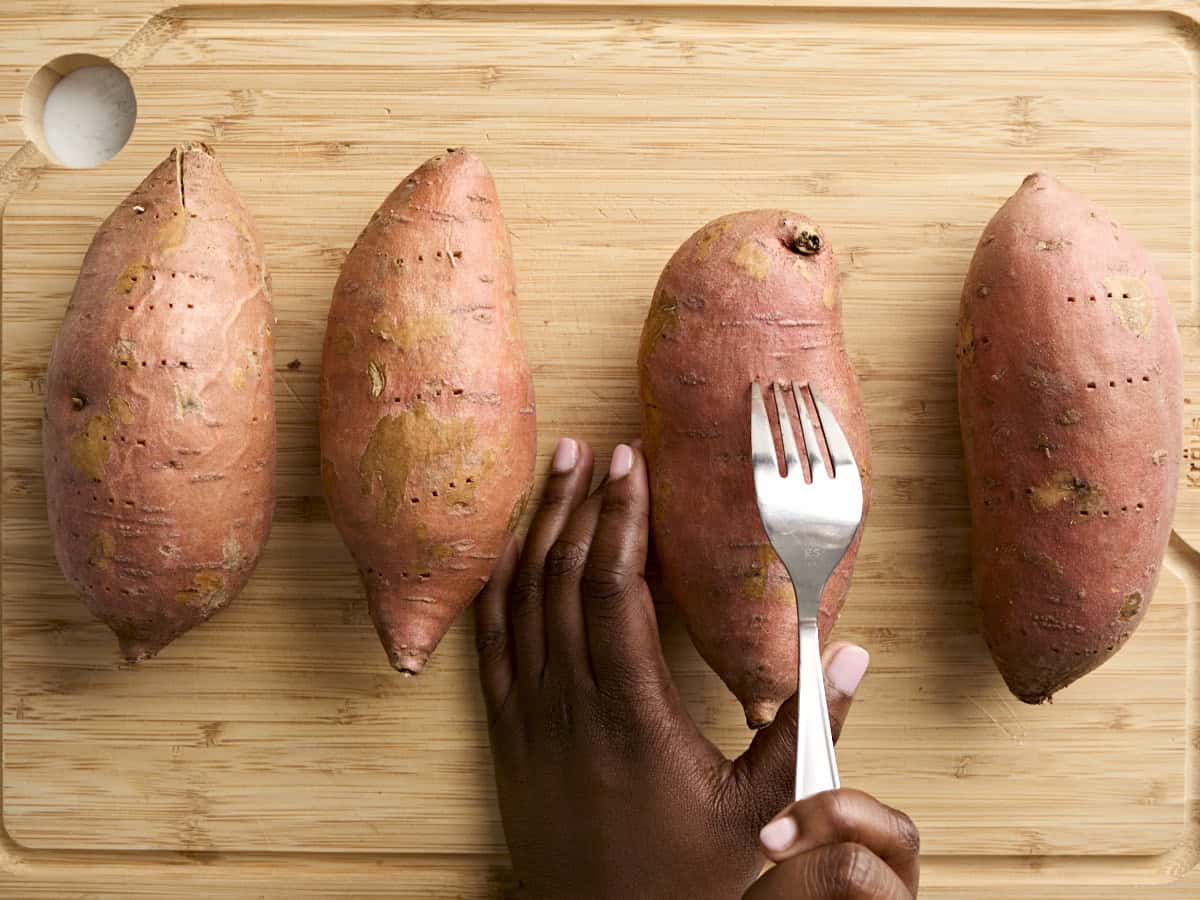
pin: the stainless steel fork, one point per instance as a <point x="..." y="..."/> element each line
<point x="810" y="525"/>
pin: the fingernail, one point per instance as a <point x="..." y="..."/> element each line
<point x="846" y="669"/>
<point x="777" y="836"/>
<point x="621" y="463"/>
<point x="566" y="454"/>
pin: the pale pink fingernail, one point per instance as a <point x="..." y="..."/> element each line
<point x="777" y="836"/>
<point x="566" y="454"/>
<point x="847" y="668"/>
<point x="621" y="463"/>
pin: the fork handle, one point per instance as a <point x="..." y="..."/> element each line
<point x="816" y="766"/>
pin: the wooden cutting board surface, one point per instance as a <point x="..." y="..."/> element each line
<point x="272" y="750"/>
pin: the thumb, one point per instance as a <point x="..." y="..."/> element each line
<point x="766" y="772"/>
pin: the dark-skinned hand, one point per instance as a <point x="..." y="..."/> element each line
<point x="607" y="789"/>
<point x="840" y="845"/>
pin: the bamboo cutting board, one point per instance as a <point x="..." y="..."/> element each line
<point x="272" y="751"/>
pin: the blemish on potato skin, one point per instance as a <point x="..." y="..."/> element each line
<point x="186" y="402"/>
<point x="661" y="323"/>
<point x="103" y="547"/>
<point x="90" y="446"/>
<point x="209" y="589"/>
<point x="120" y="408"/>
<point x="829" y="296"/>
<point x="1131" y="301"/>
<point x="1133" y="603"/>
<point x="413" y="440"/>
<point x="231" y="553"/>
<point x="1069" y="416"/>
<point x="708" y="237"/>
<point x="377" y="376"/>
<point x="172" y="233"/>
<point x="966" y="341"/>
<point x="517" y="511"/>
<point x="237" y="378"/>
<point x="752" y="259"/>
<point x="124" y="353"/>
<point x="408" y="334"/>
<point x="1063" y="486"/>
<point x="129" y="277"/>
<point x="1158" y="457"/>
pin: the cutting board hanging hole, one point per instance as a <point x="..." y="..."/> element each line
<point x="79" y="110"/>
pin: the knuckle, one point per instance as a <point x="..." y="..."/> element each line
<point x="566" y="557"/>
<point x="525" y="594"/>
<point x="848" y="873"/>
<point x="833" y="808"/>
<point x="491" y="643"/>
<point x="604" y="582"/>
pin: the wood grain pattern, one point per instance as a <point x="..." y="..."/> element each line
<point x="272" y="751"/>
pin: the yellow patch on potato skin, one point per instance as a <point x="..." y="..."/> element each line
<point x="409" y="333"/>
<point x="129" y="277"/>
<point x="172" y="233"/>
<point x="708" y="237"/>
<point x="752" y="259"/>
<point x="754" y="581"/>
<point x="90" y="446"/>
<point x="1131" y="301"/>
<point x="1133" y="603"/>
<point x="209" y="589"/>
<point x="104" y="545"/>
<point x="966" y="341"/>
<point x="414" y="440"/>
<point x="120" y="408"/>
<point x="237" y="378"/>
<point x="1062" y="487"/>
<point x="829" y="297"/>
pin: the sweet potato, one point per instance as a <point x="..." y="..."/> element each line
<point x="427" y="418"/>
<point x="751" y="296"/>
<point x="1071" y="405"/>
<point x="159" y="427"/>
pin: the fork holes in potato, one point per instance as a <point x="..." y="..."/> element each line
<point x="1070" y="299"/>
<point x="1141" y="506"/>
<point x="1091" y="385"/>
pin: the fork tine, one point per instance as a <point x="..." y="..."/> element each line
<point x="762" y="445"/>
<point x="835" y="439"/>
<point x="815" y="464"/>
<point x="791" y="453"/>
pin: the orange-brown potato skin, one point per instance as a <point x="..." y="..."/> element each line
<point x="1070" y="398"/>
<point x="159" y="421"/>
<point x="746" y="298"/>
<point x="428" y="433"/>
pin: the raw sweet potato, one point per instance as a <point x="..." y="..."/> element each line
<point x="1071" y="405"/>
<point x="751" y="296"/>
<point x="159" y="427"/>
<point x="427" y="419"/>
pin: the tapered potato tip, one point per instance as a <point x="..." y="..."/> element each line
<point x="760" y="713"/>
<point x="136" y="650"/>
<point x="408" y="660"/>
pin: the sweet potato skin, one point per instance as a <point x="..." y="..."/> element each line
<point x="159" y="420"/>
<point x="428" y="433"/>
<point x="747" y="297"/>
<point x="1070" y="399"/>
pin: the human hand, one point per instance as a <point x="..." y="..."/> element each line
<point x="607" y="789"/>
<point x="840" y="845"/>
